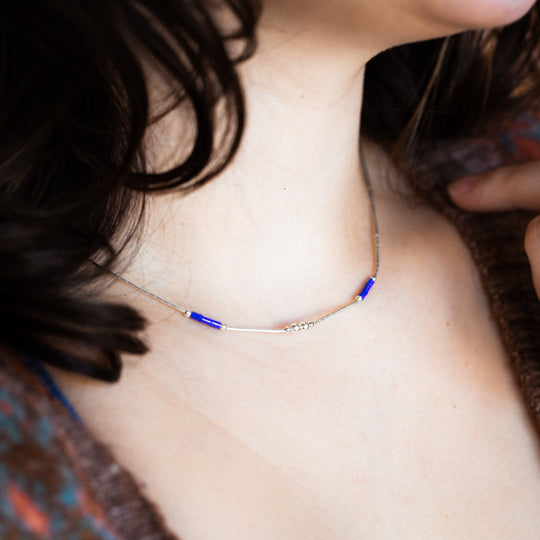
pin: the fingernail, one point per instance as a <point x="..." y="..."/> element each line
<point x="463" y="185"/>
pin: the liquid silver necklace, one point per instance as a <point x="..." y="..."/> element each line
<point x="297" y="326"/>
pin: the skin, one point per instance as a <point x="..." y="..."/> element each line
<point x="292" y="193"/>
<point x="341" y="433"/>
<point x="507" y="188"/>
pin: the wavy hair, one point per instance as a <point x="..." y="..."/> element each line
<point x="76" y="109"/>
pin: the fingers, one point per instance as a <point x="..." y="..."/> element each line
<point x="506" y="188"/>
<point x="532" y="247"/>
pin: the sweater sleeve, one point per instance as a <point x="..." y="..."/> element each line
<point x="519" y="137"/>
<point x="42" y="494"/>
<point x="56" y="480"/>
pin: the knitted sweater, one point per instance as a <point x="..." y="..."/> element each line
<point x="57" y="481"/>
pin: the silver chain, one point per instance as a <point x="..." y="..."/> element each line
<point x="294" y="327"/>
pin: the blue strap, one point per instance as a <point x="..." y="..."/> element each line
<point x="54" y="391"/>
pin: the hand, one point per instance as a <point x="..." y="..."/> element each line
<point x="507" y="188"/>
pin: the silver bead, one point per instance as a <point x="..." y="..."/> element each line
<point x="298" y="327"/>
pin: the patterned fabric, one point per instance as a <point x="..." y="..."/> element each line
<point x="520" y="137"/>
<point x="42" y="494"/>
<point x="56" y="481"/>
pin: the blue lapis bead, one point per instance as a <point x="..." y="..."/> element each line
<point x="205" y="320"/>
<point x="367" y="288"/>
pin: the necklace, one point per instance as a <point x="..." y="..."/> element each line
<point x="294" y="327"/>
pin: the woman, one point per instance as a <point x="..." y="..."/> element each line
<point x="399" y="417"/>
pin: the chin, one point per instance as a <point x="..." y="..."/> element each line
<point x="418" y="20"/>
<point x="473" y="14"/>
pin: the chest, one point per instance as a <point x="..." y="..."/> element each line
<point x="400" y="421"/>
<point x="380" y="441"/>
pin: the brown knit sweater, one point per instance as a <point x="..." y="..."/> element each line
<point x="57" y="481"/>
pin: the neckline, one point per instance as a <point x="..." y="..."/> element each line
<point x="53" y="389"/>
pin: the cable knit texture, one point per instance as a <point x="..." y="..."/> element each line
<point x="57" y="482"/>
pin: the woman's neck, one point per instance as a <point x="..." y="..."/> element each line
<point x="284" y="231"/>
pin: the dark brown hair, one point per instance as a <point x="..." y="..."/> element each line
<point x="75" y="109"/>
